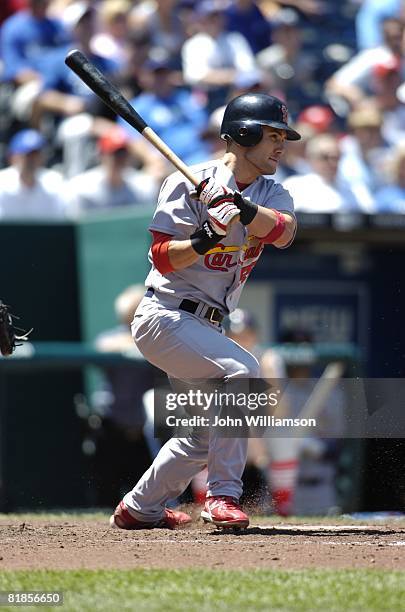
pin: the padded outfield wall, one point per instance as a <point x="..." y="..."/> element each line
<point x="343" y="281"/>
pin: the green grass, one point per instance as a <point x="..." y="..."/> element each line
<point x="207" y="590"/>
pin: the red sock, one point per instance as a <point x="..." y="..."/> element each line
<point x="282" y="476"/>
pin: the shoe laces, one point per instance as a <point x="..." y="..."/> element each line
<point x="227" y="502"/>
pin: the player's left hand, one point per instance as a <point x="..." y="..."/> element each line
<point x="211" y="193"/>
<point x="221" y="216"/>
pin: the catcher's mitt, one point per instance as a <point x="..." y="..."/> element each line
<point x="8" y="336"/>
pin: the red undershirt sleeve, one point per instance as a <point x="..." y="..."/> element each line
<point x="160" y="254"/>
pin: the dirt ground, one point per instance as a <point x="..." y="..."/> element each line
<point x="60" y="543"/>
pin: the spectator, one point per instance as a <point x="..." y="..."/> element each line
<point x="356" y="79"/>
<point x="79" y="113"/>
<point x="213" y="57"/>
<point x="175" y="114"/>
<point x="28" y="191"/>
<point x="245" y="17"/>
<point x="369" y="18"/>
<point x="112" y="41"/>
<point x="389" y="101"/>
<point x="391" y="198"/>
<point x="322" y="190"/>
<point x="114" y="182"/>
<point x="318" y="117"/>
<point x="290" y="67"/>
<point x="186" y="12"/>
<point x="27" y="39"/>
<point x="128" y="79"/>
<point x="161" y="21"/>
<point x="364" y="153"/>
<point x="64" y="94"/>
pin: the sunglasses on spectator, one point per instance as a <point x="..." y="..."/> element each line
<point x="328" y="156"/>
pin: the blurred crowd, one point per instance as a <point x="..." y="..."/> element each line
<point x="338" y="64"/>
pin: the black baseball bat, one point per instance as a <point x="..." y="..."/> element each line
<point x="113" y="98"/>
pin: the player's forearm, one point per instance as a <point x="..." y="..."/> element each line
<point x="266" y="220"/>
<point x="181" y="254"/>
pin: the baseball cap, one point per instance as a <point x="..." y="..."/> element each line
<point x="26" y="141"/>
<point x="390" y="65"/>
<point x="365" y="117"/>
<point x="113" y="140"/>
<point x="317" y="116"/>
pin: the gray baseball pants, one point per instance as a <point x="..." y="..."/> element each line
<point x="188" y="347"/>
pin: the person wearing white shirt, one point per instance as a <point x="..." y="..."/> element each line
<point x="213" y="58"/>
<point x="322" y="190"/>
<point x="365" y="153"/>
<point x="355" y="80"/>
<point x="114" y="183"/>
<point x="28" y="191"/>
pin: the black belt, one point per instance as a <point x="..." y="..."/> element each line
<point x="212" y="314"/>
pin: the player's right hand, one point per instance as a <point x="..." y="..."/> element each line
<point x="211" y="193"/>
<point x="221" y="216"/>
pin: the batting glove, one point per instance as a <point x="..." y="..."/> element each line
<point x="210" y="193"/>
<point x="221" y="215"/>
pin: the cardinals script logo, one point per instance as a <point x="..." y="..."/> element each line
<point x="225" y="258"/>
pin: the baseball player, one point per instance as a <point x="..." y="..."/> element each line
<point x="205" y="244"/>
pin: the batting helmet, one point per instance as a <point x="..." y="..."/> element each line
<point x="245" y="115"/>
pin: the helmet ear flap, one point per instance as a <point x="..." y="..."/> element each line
<point x="246" y="134"/>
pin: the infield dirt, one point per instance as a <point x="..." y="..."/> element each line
<point x="75" y="543"/>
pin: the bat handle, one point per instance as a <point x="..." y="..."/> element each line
<point x="157" y="142"/>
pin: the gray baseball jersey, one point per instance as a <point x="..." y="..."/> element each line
<point x="218" y="277"/>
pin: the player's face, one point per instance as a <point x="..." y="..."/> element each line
<point x="265" y="156"/>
